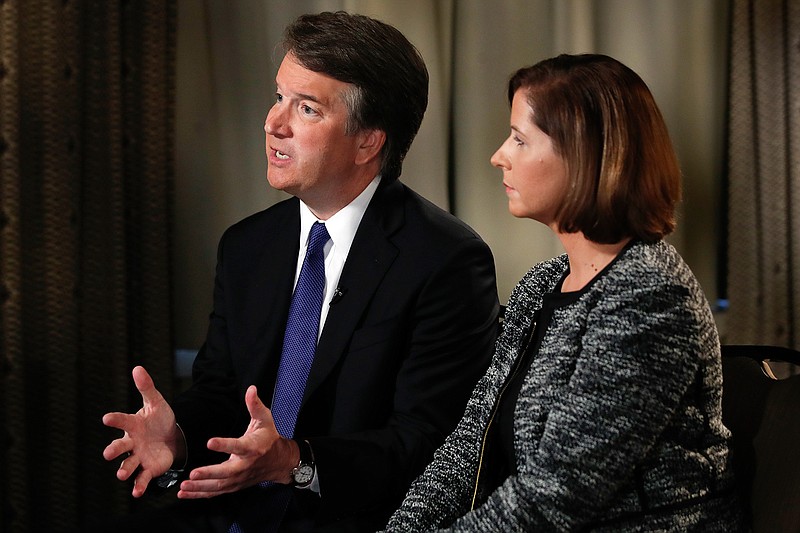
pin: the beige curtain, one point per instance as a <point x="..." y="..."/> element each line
<point x="226" y="67"/>
<point x="86" y="180"/>
<point x="86" y="144"/>
<point x="679" y="49"/>
<point x="764" y="173"/>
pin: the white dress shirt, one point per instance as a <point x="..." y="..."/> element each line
<point x="342" y="227"/>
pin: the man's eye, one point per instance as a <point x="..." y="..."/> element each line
<point x="307" y="110"/>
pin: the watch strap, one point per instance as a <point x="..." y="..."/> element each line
<point x="305" y="471"/>
<point x="306" y="453"/>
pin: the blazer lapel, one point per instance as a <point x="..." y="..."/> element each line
<point x="269" y="297"/>
<point x="371" y="255"/>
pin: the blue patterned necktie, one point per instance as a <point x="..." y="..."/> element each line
<point x="299" y="345"/>
<point x="302" y="330"/>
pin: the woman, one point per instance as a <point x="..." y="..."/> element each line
<point x="601" y="409"/>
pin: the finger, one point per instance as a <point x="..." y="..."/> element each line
<point x="215" y="472"/>
<point x="190" y="495"/>
<point x="255" y="406"/>
<point x="259" y="413"/>
<point x="207" y="485"/>
<point x="116" y="448"/>
<point x="229" y="445"/>
<point x="145" y="385"/>
<point x="140" y="483"/>
<point x="127" y="467"/>
<point x="117" y="420"/>
<point x="204" y="489"/>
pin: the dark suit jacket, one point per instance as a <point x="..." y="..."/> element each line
<point x="398" y="356"/>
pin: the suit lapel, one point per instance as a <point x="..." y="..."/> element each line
<point x="270" y="295"/>
<point x="371" y="255"/>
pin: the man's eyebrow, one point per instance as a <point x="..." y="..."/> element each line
<point x="313" y="98"/>
<point x="300" y="96"/>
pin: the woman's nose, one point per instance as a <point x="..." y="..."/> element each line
<point x="498" y="159"/>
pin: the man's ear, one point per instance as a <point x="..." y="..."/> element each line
<point x="370" y="146"/>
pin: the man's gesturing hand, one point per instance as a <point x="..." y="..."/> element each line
<point x="151" y="440"/>
<point x="261" y="454"/>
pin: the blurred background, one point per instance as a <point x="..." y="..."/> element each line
<point x="131" y="136"/>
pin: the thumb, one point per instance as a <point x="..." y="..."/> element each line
<point x="145" y="386"/>
<point x="256" y="408"/>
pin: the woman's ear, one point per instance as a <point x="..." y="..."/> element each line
<point x="370" y="146"/>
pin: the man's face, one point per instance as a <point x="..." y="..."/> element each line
<point x="309" y="155"/>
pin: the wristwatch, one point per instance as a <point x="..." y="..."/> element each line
<point x="303" y="473"/>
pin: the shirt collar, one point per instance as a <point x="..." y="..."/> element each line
<point x="343" y="224"/>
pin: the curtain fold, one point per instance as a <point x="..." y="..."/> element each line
<point x="86" y="157"/>
<point x="764" y="174"/>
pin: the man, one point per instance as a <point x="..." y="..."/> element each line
<point x="405" y="327"/>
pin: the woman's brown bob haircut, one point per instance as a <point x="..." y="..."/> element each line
<point x="604" y="123"/>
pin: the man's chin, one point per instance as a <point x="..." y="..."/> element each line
<point x="278" y="184"/>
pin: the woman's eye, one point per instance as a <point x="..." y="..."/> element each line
<point x="517" y="140"/>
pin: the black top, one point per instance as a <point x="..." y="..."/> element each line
<point x="499" y="460"/>
<point x="508" y="401"/>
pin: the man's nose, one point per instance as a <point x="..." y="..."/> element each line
<point x="275" y="123"/>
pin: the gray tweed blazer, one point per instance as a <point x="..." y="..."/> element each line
<point x="618" y="423"/>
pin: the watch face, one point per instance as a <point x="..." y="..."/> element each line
<point x="303" y="474"/>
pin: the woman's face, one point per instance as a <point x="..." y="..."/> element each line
<point x="534" y="176"/>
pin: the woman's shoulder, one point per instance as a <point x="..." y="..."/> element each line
<point x="540" y="279"/>
<point x="650" y="272"/>
<point x="543" y="276"/>
<point x="651" y="264"/>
